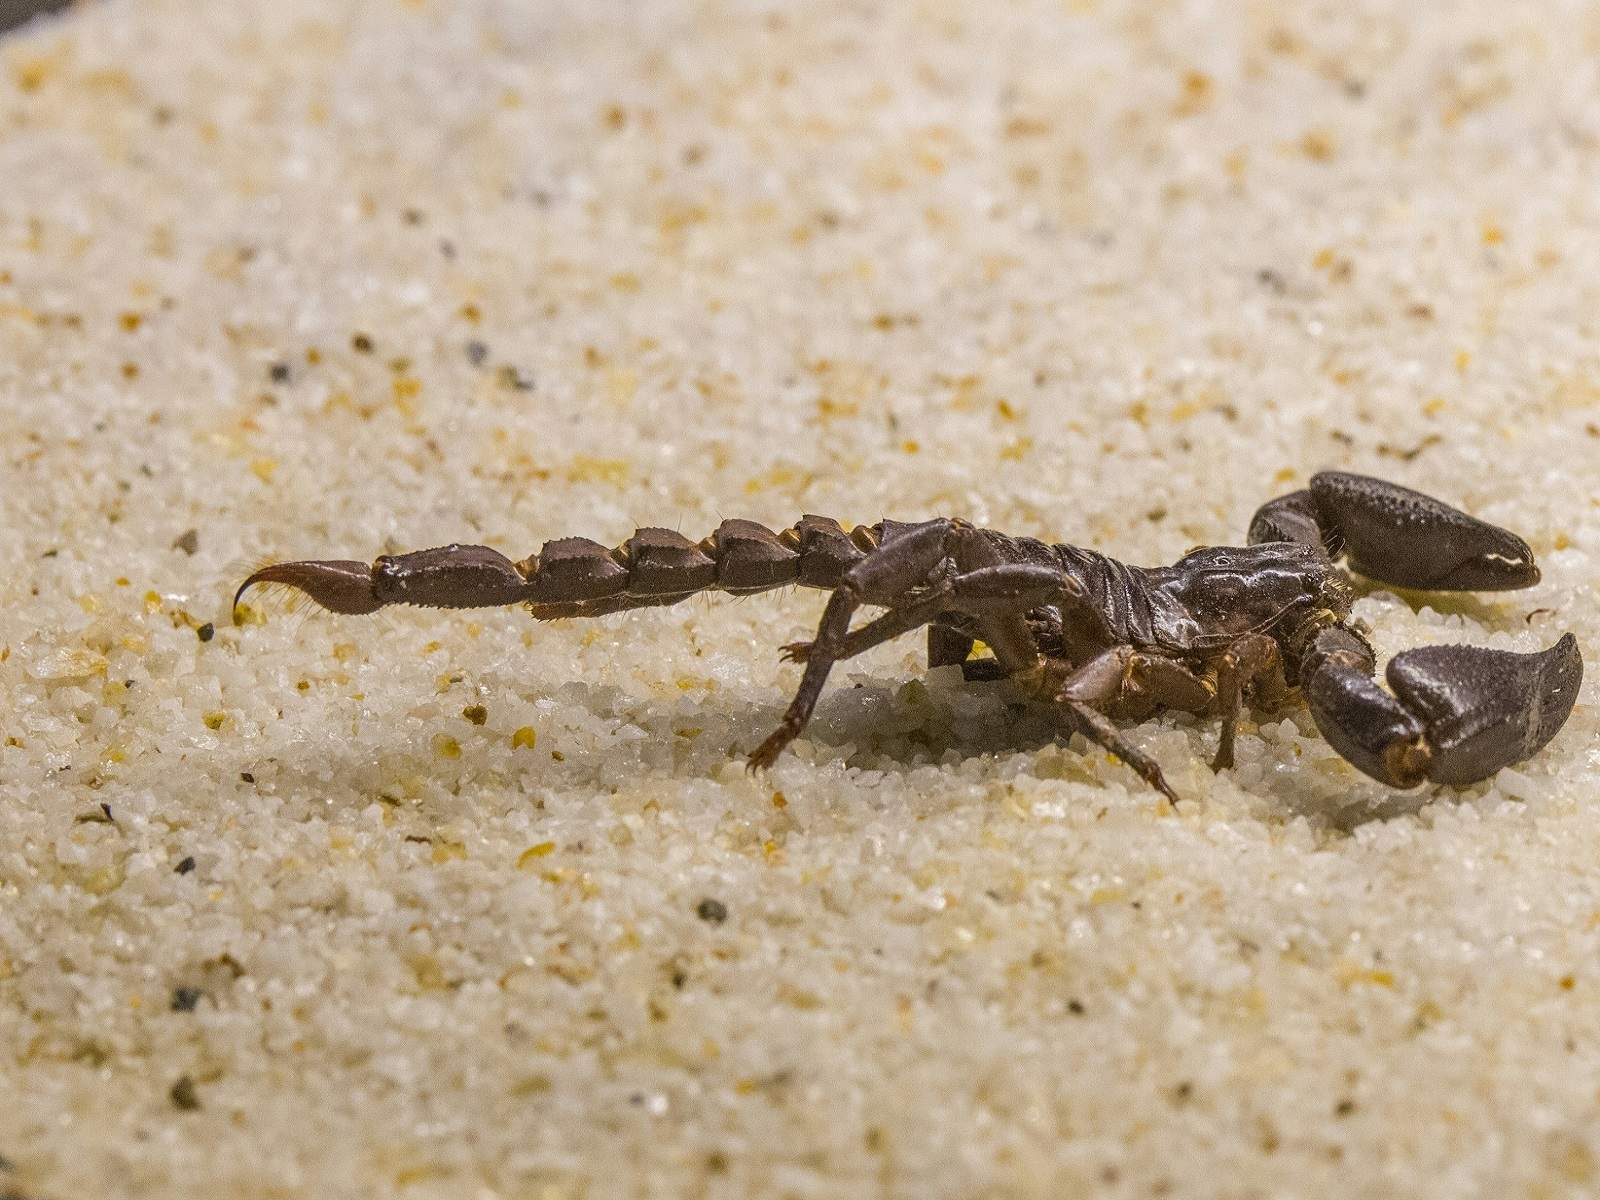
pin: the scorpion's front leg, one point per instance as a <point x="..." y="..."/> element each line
<point x="1123" y="674"/>
<point x="1252" y="659"/>
<point x="1457" y="713"/>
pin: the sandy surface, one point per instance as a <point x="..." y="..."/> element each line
<point x="463" y="905"/>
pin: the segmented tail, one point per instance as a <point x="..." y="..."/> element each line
<point x="577" y="577"/>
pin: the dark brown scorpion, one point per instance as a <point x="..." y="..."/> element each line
<point x="1222" y="626"/>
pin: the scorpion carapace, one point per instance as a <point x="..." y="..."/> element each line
<point x="1101" y="640"/>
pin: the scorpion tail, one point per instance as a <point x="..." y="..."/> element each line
<point x="447" y="577"/>
<point x="576" y="577"/>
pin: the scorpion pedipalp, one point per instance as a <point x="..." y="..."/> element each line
<point x="1457" y="714"/>
<point x="1397" y="536"/>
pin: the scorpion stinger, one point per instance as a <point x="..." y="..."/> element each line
<point x="1223" y="627"/>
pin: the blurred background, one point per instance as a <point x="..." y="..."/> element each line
<point x="15" y="12"/>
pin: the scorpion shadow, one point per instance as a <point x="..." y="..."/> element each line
<point x="878" y="723"/>
<point x="898" y="727"/>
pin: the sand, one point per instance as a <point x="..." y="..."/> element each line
<point x="459" y="904"/>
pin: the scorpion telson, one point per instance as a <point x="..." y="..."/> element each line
<point x="1103" y="641"/>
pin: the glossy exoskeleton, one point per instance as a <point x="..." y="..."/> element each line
<point x="1102" y="640"/>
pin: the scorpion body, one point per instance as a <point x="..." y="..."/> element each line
<point x="1103" y="640"/>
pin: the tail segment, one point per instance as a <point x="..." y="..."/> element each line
<point x="576" y="577"/>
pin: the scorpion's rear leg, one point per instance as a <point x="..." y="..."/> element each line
<point x="942" y="565"/>
<point x="882" y="629"/>
<point x="953" y="636"/>
<point x="1458" y="713"/>
<point x="900" y="564"/>
<point x="959" y="599"/>
<point x="1397" y="536"/>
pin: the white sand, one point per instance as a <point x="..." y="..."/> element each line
<point x="1089" y="271"/>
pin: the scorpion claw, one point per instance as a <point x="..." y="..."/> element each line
<point x="1486" y="709"/>
<point x="1398" y="536"/>
<point x="339" y="586"/>
<point x="1457" y="714"/>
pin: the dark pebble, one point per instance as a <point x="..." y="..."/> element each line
<point x="515" y="380"/>
<point x="183" y="1095"/>
<point x="279" y="373"/>
<point x="185" y="866"/>
<point x="206" y="632"/>
<point x="188" y="541"/>
<point x="714" y="912"/>
<point x="185" y="998"/>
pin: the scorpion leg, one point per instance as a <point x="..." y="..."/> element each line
<point x="949" y="646"/>
<point x="1251" y="658"/>
<point x="997" y="592"/>
<point x="1114" y="676"/>
<point x="1457" y="713"/>
<point x="982" y="670"/>
<point x="1097" y="727"/>
<point x="900" y="564"/>
<point x="882" y="629"/>
<point x="1005" y="589"/>
<point x="1397" y="536"/>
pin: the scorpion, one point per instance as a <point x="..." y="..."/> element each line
<point x="1099" y="639"/>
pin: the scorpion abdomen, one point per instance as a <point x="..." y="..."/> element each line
<point x="1121" y="607"/>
